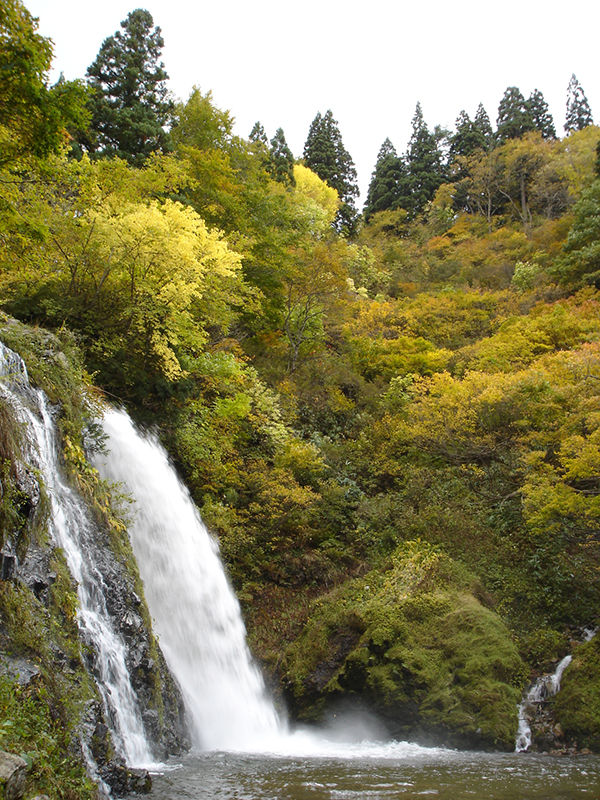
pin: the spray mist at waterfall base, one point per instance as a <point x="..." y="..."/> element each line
<point x="242" y="747"/>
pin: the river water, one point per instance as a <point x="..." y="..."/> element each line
<point x="385" y="772"/>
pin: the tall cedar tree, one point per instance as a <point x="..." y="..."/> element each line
<point x="325" y="154"/>
<point x="281" y="161"/>
<point x="470" y="136"/>
<point x="388" y="181"/>
<point x="540" y="115"/>
<point x="130" y="105"/>
<point x="426" y="171"/>
<point x="514" y="116"/>
<point x="35" y="115"/>
<point x="483" y="125"/>
<point x="579" y="114"/>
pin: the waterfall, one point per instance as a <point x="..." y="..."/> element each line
<point x="72" y="529"/>
<point x="196" y="614"/>
<point x="544" y="687"/>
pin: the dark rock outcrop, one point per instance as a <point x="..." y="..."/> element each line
<point x="13" y="776"/>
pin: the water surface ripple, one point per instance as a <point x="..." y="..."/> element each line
<point x="385" y="772"/>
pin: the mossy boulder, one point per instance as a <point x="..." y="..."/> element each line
<point x="414" y="644"/>
<point x="577" y="705"/>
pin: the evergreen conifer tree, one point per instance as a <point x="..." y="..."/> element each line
<point x="130" y="105"/>
<point x="514" y="116"/>
<point x="388" y="181"/>
<point x="483" y="126"/>
<point x="325" y="154"/>
<point x="579" y="114"/>
<point x="540" y="115"/>
<point x="470" y="136"/>
<point x="281" y="160"/>
<point x="257" y="134"/>
<point x="426" y="171"/>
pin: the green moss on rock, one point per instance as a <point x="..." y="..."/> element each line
<point x="415" y="645"/>
<point x="577" y="705"/>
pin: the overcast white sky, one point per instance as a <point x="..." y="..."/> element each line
<point x="369" y="61"/>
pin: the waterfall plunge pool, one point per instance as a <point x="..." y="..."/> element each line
<point x="250" y="753"/>
<point x="382" y="771"/>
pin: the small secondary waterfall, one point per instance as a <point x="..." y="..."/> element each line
<point x="73" y="531"/>
<point x="196" y="615"/>
<point x="544" y="687"/>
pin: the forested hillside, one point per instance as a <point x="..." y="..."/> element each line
<point x="390" y="419"/>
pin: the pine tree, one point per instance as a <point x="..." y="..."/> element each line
<point x="281" y="160"/>
<point x="130" y="105"/>
<point x="426" y="171"/>
<point x="579" y="114"/>
<point x="540" y="115"/>
<point x="388" y="181"/>
<point x="257" y="134"/>
<point x="514" y="116"/>
<point x="325" y="154"/>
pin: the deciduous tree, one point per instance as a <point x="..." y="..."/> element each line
<point x="34" y="117"/>
<point x="199" y="123"/>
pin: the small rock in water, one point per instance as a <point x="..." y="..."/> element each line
<point x="125" y="780"/>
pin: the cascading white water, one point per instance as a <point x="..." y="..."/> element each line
<point x="544" y="687"/>
<point x="73" y="531"/>
<point x="196" y="615"/>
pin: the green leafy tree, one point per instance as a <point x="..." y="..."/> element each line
<point x="521" y="160"/>
<point x="130" y="105"/>
<point x="199" y="123"/>
<point x="579" y="114"/>
<point x="540" y="115"/>
<point x="387" y="181"/>
<point x="34" y="117"/>
<point x="514" y="116"/>
<point x="325" y="154"/>
<point x="281" y="160"/>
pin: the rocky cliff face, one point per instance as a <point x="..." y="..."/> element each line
<point x="47" y="668"/>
